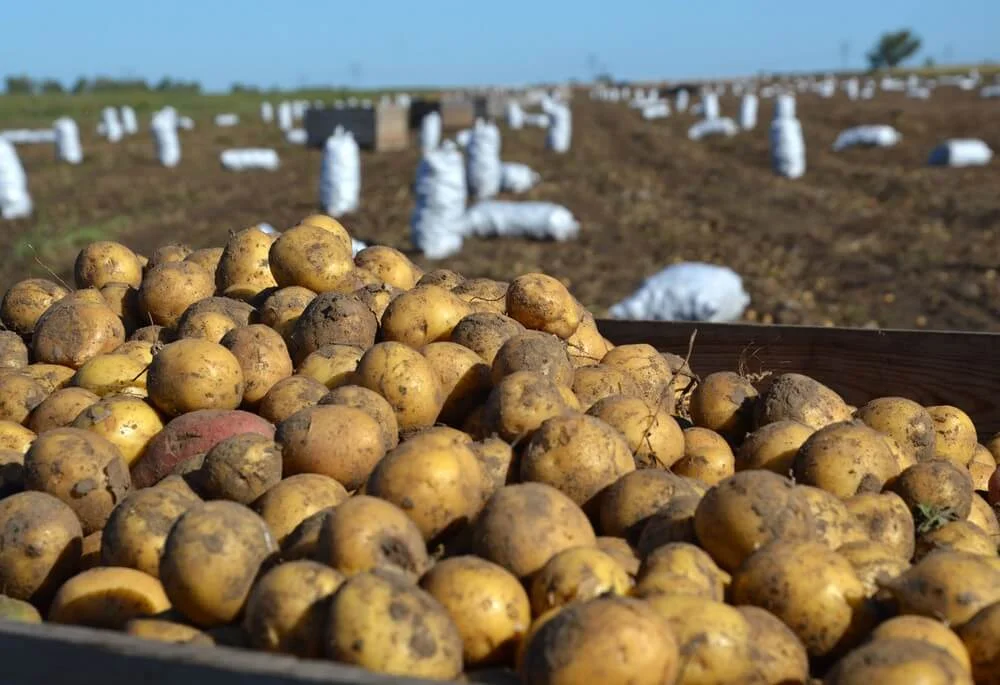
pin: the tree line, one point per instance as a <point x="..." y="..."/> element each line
<point x="22" y="84"/>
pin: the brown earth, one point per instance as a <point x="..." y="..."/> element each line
<point x="867" y="237"/>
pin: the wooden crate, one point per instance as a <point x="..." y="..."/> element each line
<point x="382" y="128"/>
<point x="930" y="367"/>
<point x="457" y="114"/>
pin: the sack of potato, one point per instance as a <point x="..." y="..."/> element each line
<point x="276" y="446"/>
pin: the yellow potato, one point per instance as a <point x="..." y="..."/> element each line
<point x="681" y="569"/>
<point x="242" y="270"/>
<point x="886" y="519"/>
<point x="980" y="638"/>
<point x="629" y="503"/>
<point x="779" y="657"/>
<point x="587" y="347"/>
<point x="955" y="434"/>
<point x="484" y="295"/>
<point x="14" y="436"/>
<point x="908" y="423"/>
<point x="283" y="307"/>
<point x="137" y="529"/>
<point x="959" y="536"/>
<point x="332" y="365"/>
<point x="128" y="423"/>
<point x="207" y="258"/>
<point x="310" y="257"/>
<point x="372" y="404"/>
<point x="648" y="369"/>
<point x="464" y="377"/>
<point x="19" y="396"/>
<point x="707" y="456"/>
<point x="332" y="318"/>
<point x="13" y="351"/>
<point x="981" y="468"/>
<point x="161" y="630"/>
<point x="168" y="289"/>
<point x="835" y="525"/>
<point x="542" y="303"/>
<point x="520" y="403"/>
<point x="926" y="630"/>
<point x="772" y="447"/>
<point x="109" y="374"/>
<point x="240" y="468"/>
<point x="873" y="563"/>
<point x="845" y="459"/>
<point x="576" y="575"/>
<point x="406" y="380"/>
<point x="594" y="383"/>
<point x="104" y="262"/>
<point x="653" y="435"/>
<point x="425" y="314"/>
<point x="724" y="402"/>
<point x="290" y="395"/>
<point x="389" y="265"/>
<point x="341" y="442"/>
<point x="535" y="351"/>
<point x="108" y="597"/>
<point x="794" y="397"/>
<point x="263" y="359"/>
<point x="193" y="374"/>
<point x="897" y="662"/>
<point x="25" y="301"/>
<point x="289" y="502"/>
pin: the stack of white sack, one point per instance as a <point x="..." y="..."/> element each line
<point x="879" y="135"/>
<point x="515" y="115"/>
<point x="560" y="132"/>
<point x="129" y="122"/>
<point x="168" y="145"/>
<point x="266" y="112"/>
<point x="689" y="291"/>
<point x="537" y="220"/>
<point x="15" y="202"/>
<point x="68" y="148"/>
<point x="484" y="170"/>
<point x="748" y="112"/>
<point x="112" y="125"/>
<point x="436" y="225"/>
<point x="244" y="159"/>
<point x="430" y="131"/>
<point x="340" y="174"/>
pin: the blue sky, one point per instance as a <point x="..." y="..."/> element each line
<point x="438" y="42"/>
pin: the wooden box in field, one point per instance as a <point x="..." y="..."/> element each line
<point x="382" y="128"/>
<point x="457" y="114"/>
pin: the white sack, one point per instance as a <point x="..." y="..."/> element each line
<point x="682" y="101"/>
<point x="748" y="112"/>
<point x="484" y="170"/>
<point x="788" y="148"/>
<point x="518" y="178"/>
<point x="112" y="125"/>
<point x="710" y="105"/>
<point x="244" y="159"/>
<point x="226" y="119"/>
<point x="68" y="148"/>
<point x="867" y="136"/>
<point x="296" y="136"/>
<point x="340" y="174"/>
<point x="656" y="110"/>
<point x="430" y="131"/>
<point x="538" y="220"/>
<point x="560" y="130"/>
<point x="23" y="136"/>
<point x="285" y="115"/>
<point x="537" y="120"/>
<point x="266" y="112"/>
<point x="130" y="125"/>
<point x="784" y="106"/>
<point x="852" y="88"/>
<point x="436" y="225"/>
<point x="689" y="291"/>
<point x="961" y="152"/>
<point x="515" y="115"/>
<point x="990" y="91"/>
<point x="713" y="127"/>
<point x="15" y="201"/>
<point x="186" y="123"/>
<point x="168" y="145"/>
<point x="463" y="137"/>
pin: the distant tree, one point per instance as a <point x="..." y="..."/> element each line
<point x="19" y="85"/>
<point x="893" y="48"/>
<point x="929" y="63"/>
<point x="81" y="85"/>
<point x="50" y="85"/>
<point x="243" y="88"/>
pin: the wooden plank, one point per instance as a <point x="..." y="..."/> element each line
<point x="67" y="655"/>
<point x="930" y="367"/>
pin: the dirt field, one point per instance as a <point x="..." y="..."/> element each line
<point x="867" y="237"/>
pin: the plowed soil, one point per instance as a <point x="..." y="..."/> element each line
<point x="867" y="237"/>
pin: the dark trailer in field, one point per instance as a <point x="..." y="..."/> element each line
<point x="380" y="127"/>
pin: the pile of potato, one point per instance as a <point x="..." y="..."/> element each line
<point x="275" y="446"/>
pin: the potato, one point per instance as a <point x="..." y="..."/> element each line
<point x="897" y="662"/>
<point x="332" y="319"/>
<point x="377" y="297"/>
<point x="155" y="335"/>
<point x="161" y="630"/>
<point x="587" y="347"/>
<point x="25" y="301"/>
<point x="205" y="325"/>
<point x="903" y="420"/>
<point x="137" y="529"/>
<point x="958" y="536"/>
<point x="575" y="575"/>
<point x="82" y="469"/>
<point x="523" y="526"/>
<point x="438" y="486"/>
<point x="680" y="568"/>
<point x="263" y="359"/>
<point x="873" y="563"/>
<point x="371" y="403"/>
<point x="484" y="295"/>
<point x="993" y="445"/>
<point x="886" y="519"/>
<point x="794" y="397"/>
<point x="242" y="270"/>
<point x="189" y="435"/>
<point x="51" y="377"/>
<point x="128" y="423"/>
<point x="652" y="434"/>
<point x="302" y="542"/>
<point x="485" y="333"/>
<point x="19" y="396"/>
<point x="310" y="257"/>
<point x="607" y="640"/>
<point x="283" y="307"/>
<point x="190" y="374"/>
<point x="980" y="638"/>
<point x="707" y="456"/>
<point x="674" y="522"/>
<point x="748" y="510"/>
<point x="389" y="265"/>
<point x="406" y="380"/>
<point x="104" y="262"/>
<point x="168" y="289"/>
<point x="464" y="378"/>
<point x="18" y="610"/>
<point x="845" y="459"/>
<point x="487" y="604"/>
<point x="40" y="545"/>
<point x="289" y="395"/>
<point x="330" y="225"/>
<point x="168" y="253"/>
<point x="622" y="552"/>
<point x="648" y="369"/>
<point x="835" y="525"/>
<point x="11" y="472"/>
<point x="237" y="312"/>
<point x="542" y="303"/>
<point x="207" y="258"/>
<point x="446" y="278"/>
<point x="366" y="533"/>
<point x="925" y="630"/>
<point x="981" y="468"/>
<point x="724" y="402"/>
<point x="593" y="383"/>
<point x="713" y="638"/>
<point x="381" y="623"/>
<point x="332" y="365"/>
<point x="336" y="441"/>
<point x="107" y="598"/>
<point x="520" y="403"/>
<point x="935" y="487"/>
<point x="496" y="459"/>
<point x="13" y="351"/>
<point x="949" y="586"/>
<point x="628" y="504"/>
<point x="578" y="455"/>
<point x="534" y="351"/>
<point x="779" y="657"/>
<point x="109" y="374"/>
<point x="426" y="314"/>
<point x="70" y="334"/>
<point x="123" y="300"/>
<point x="288" y="608"/>
<point x="239" y="469"/>
<point x="983" y="516"/>
<point x="289" y="502"/>
<point x="14" y="436"/>
<point x="955" y="434"/>
<point x="210" y="560"/>
<point x="814" y="590"/>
